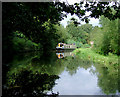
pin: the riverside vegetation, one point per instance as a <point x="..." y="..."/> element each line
<point x="30" y="27"/>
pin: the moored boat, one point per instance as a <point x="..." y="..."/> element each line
<point x="63" y="46"/>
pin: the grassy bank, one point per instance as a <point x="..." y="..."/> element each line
<point x="106" y="68"/>
<point x="89" y="54"/>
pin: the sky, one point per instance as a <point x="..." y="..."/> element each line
<point x="93" y="21"/>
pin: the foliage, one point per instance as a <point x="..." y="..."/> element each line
<point x="21" y="43"/>
<point x="106" y="68"/>
<point x="35" y="20"/>
<point x="96" y="9"/>
<point x="61" y="33"/>
<point x="79" y="34"/>
<point x="30" y="19"/>
<point x="34" y="26"/>
<point x="106" y="37"/>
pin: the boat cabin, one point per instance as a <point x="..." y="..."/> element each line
<point x="65" y="46"/>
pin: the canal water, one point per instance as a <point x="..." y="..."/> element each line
<point x="55" y="73"/>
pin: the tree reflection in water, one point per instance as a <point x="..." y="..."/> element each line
<point x="35" y="74"/>
<point x="25" y="83"/>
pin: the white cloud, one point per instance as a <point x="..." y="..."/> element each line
<point x="81" y="83"/>
<point x="70" y="2"/>
<point x="93" y="21"/>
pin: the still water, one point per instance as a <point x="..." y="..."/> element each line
<point x="56" y="73"/>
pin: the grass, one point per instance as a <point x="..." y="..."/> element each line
<point x="89" y="54"/>
<point x="106" y="68"/>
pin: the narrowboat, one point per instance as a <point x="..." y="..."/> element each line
<point x="63" y="46"/>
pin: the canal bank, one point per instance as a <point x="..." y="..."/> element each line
<point x="64" y="76"/>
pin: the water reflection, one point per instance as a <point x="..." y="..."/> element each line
<point x="64" y="53"/>
<point x="37" y="74"/>
<point x="82" y="83"/>
<point x="27" y="83"/>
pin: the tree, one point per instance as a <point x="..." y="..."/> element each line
<point x="29" y="18"/>
<point x="62" y="34"/>
<point x="78" y="34"/>
<point x="96" y="9"/>
<point x="106" y="37"/>
<point x="111" y="36"/>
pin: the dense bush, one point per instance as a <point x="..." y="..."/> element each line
<point x="21" y="43"/>
<point x="106" y="38"/>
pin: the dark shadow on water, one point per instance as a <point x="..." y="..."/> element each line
<point x="19" y="79"/>
<point x="27" y="83"/>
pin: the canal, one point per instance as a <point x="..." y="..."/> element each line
<point x="55" y="73"/>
